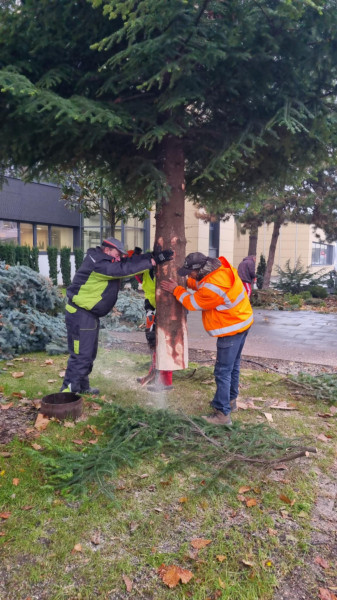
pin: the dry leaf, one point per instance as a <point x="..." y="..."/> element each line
<point x="92" y="441"/>
<point x="15" y="481"/>
<point x="321" y="562"/>
<point x="36" y="446"/>
<point x="128" y="583"/>
<point x="200" y="543"/>
<point x="287" y="500"/>
<point x="171" y="575"/>
<point x="6" y="406"/>
<point x="325" y="415"/>
<point x="5" y="515"/>
<point x="248" y="563"/>
<point x="41" y="422"/>
<point x="243" y="489"/>
<point x="62" y="374"/>
<point x="69" y="424"/>
<point x="280" y="467"/>
<point x="49" y="361"/>
<point x="144" y="476"/>
<point x="96" y="539"/>
<point x="79" y="442"/>
<point x="17" y="395"/>
<point x="272" y="531"/>
<point x="17" y="374"/>
<point x="221" y="583"/>
<point x="283" y="405"/>
<point x="77" y="548"/>
<point x="325" y="594"/>
<point x="27" y="507"/>
<point x="2" y="533"/>
<point x="183" y="499"/>
<point x="241" y="498"/>
<point x="51" y="380"/>
<point x="5" y="454"/>
<point x="269" y="417"/>
<point x="37" y="403"/>
<point x="322" y="437"/>
<point x="251" y="502"/>
<point x="221" y="557"/>
<point x="333" y="410"/>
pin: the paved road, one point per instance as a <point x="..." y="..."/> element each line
<point x="301" y="336"/>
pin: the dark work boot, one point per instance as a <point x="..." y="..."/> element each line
<point x="92" y="391"/>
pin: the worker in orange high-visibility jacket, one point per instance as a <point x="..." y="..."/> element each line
<point x="226" y="314"/>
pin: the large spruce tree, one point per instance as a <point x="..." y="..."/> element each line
<point x="175" y="97"/>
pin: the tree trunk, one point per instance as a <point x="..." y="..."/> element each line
<point x="112" y="219"/>
<point x="272" y="250"/>
<point x="171" y="330"/>
<point x="253" y="233"/>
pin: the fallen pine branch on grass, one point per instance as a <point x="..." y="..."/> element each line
<point x="133" y="434"/>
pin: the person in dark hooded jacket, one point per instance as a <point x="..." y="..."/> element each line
<point x="246" y="271"/>
<point x="91" y="295"/>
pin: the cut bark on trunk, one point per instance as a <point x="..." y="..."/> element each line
<point x="272" y="250"/>
<point x="171" y="330"/>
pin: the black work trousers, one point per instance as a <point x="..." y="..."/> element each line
<point x="82" y="330"/>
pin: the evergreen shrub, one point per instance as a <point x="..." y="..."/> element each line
<point x="260" y="271"/>
<point x="7" y="253"/>
<point x="318" y="291"/>
<point x="34" y="259"/>
<point x="79" y="257"/>
<point x="52" y="260"/>
<point x="22" y="255"/>
<point x="32" y="311"/>
<point x="65" y="265"/>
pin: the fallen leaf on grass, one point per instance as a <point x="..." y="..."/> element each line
<point x="251" y="502"/>
<point x="16" y="481"/>
<point x="171" y="575"/>
<point x="325" y="415"/>
<point x="272" y="531"/>
<point x="280" y="467"/>
<point x="41" y="422"/>
<point x="96" y="539"/>
<point x="2" y="533"/>
<point x="183" y="499"/>
<point x="37" y="403"/>
<point x="321" y="562"/>
<point x="243" y="489"/>
<point x="36" y="446"/>
<point x="79" y="442"/>
<point x="144" y="476"/>
<point x="6" y="406"/>
<point x="27" y="507"/>
<point x="287" y="500"/>
<point x="92" y="441"/>
<point x="325" y="594"/>
<point x="17" y="395"/>
<point x="221" y="583"/>
<point x="49" y="361"/>
<point x="269" y="417"/>
<point x="51" y="380"/>
<point x="62" y="374"/>
<point x="17" y="374"/>
<point x="5" y="454"/>
<point x="333" y="410"/>
<point x="69" y="424"/>
<point x="5" y="515"/>
<point x="221" y="557"/>
<point x="322" y="437"/>
<point x="128" y="583"/>
<point x="200" y="543"/>
<point x="248" y="563"/>
<point x="95" y="406"/>
<point x="77" y="548"/>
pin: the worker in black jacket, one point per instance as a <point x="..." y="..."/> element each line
<point x="92" y="294"/>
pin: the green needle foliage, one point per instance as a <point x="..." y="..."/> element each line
<point x="133" y="434"/>
<point x="321" y="387"/>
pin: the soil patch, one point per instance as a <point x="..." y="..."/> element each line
<point x="15" y="421"/>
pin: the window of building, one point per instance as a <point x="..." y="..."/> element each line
<point x="8" y="232"/>
<point x="322" y="254"/>
<point x="134" y="234"/>
<point x="214" y="236"/>
<point x="61" y="236"/>
<point x="26" y="234"/>
<point x="42" y="237"/>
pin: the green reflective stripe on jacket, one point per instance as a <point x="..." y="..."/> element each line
<point x="90" y="293"/>
<point x="149" y="288"/>
<point x="77" y="346"/>
<point x="71" y="309"/>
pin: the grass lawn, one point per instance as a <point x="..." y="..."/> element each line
<point x="58" y="546"/>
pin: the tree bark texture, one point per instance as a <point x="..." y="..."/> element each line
<point x="253" y="234"/>
<point x="171" y="329"/>
<point x="271" y="255"/>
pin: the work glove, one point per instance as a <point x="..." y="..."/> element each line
<point x="137" y="250"/>
<point x="162" y="256"/>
